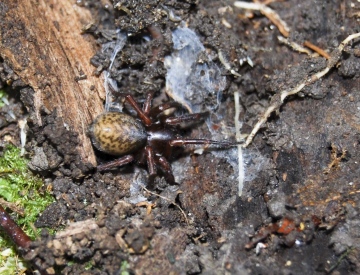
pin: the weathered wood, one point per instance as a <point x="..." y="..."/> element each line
<point x="42" y="42"/>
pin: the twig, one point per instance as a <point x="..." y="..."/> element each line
<point x="19" y="237"/>
<point x="268" y="12"/>
<point x="278" y="99"/>
<point x="15" y="208"/>
<point x="316" y="49"/>
<point x="172" y="202"/>
<point x="149" y="206"/>
<point x="295" y="46"/>
<point x="280" y="24"/>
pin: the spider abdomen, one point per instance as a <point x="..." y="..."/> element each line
<point x="117" y="133"/>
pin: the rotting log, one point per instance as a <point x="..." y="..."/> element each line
<point x="42" y="42"/>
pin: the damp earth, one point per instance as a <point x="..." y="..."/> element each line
<point x="299" y="208"/>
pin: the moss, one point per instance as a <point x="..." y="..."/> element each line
<point x="3" y="97"/>
<point x="24" y="198"/>
<point x="88" y="265"/>
<point x="124" y="269"/>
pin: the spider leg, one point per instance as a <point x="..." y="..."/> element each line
<point x="141" y="114"/>
<point x="154" y="112"/>
<point x="151" y="163"/>
<point x="206" y="142"/>
<point x="115" y="163"/>
<point x="147" y="103"/>
<point x="185" y="118"/>
<point x="166" y="168"/>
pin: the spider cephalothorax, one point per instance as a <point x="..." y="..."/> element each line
<point x="147" y="139"/>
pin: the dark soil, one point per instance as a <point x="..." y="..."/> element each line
<point x="289" y="179"/>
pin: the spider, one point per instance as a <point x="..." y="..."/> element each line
<point x="147" y="139"/>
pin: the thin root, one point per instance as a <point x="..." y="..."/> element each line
<point x="317" y="49"/>
<point x="268" y="12"/>
<point x="295" y="46"/>
<point x="149" y="206"/>
<point x="278" y="99"/>
<point x="172" y="202"/>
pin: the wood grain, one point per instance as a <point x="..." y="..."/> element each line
<point x="42" y="42"/>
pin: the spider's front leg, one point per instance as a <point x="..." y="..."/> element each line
<point x="173" y="121"/>
<point x="142" y="114"/>
<point x="147" y="103"/>
<point x="206" y="142"/>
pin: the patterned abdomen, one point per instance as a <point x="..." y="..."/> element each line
<point x="117" y="133"/>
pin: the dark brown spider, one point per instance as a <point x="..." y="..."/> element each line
<point x="148" y="139"/>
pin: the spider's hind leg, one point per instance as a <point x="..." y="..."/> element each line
<point x="115" y="163"/>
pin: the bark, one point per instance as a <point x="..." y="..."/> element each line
<point x="42" y="42"/>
